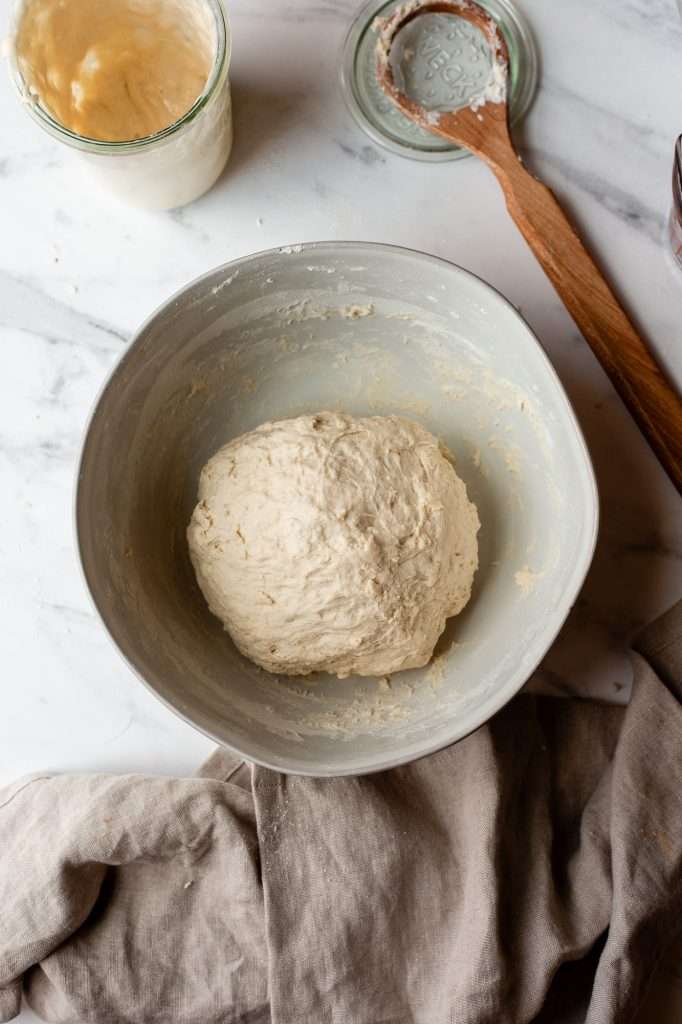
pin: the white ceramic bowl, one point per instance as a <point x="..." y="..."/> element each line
<point x="367" y="329"/>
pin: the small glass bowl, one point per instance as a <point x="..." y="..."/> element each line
<point x="378" y="116"/>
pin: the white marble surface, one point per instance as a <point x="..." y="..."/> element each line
<point x="79" y="271"/>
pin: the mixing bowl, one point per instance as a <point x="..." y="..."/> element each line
<point x="367" y="329"/>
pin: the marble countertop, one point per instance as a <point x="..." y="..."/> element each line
<point x="79" y="272"/>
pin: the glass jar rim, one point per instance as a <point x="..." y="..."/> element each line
<point x="219" y="71"/>
<point x="524" y="79"/>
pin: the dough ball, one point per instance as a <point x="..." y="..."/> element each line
<point x="335" y="544"/>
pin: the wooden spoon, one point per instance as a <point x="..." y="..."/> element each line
<point x="483" y="128"/>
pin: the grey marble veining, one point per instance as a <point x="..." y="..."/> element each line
<point x="30" y="310"/>
<point x="627" y="206"/>
<point x="647" y="135"/>
<point x="658" y="18"/>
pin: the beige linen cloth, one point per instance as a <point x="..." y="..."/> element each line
<point x="531" y="870"/>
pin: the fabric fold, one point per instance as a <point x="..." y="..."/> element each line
<point x="131" y="898"/>
<point x="531" y="873"/>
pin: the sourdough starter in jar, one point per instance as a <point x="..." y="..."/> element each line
<point x="139" y="87"/>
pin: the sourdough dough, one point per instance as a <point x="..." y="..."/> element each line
<point x="334" y="544"/>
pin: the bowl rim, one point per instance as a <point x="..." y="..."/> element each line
<point x="502" y="696"/>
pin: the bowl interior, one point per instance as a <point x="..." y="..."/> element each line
<point x="365" y="329"/>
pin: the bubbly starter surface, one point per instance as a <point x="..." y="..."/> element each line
<point x="116" y="70"/>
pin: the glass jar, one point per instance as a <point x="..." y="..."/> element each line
<point x="172" y="167"/>
<point x="379" y="117"/>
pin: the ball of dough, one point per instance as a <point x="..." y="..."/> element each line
<point x="335" y="544"/>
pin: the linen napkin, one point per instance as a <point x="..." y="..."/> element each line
<point x="532" y="872"/>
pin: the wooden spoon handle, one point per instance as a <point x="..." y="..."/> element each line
<point x="637" y="377"/>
